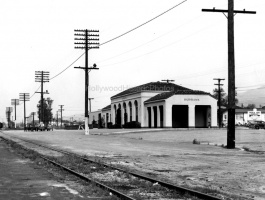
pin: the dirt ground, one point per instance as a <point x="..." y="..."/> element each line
<point x="173" y="156"/>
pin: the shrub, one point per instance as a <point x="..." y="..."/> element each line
<point x="116" y="126"/>
<point x="132" y="124"/>
<point x="109" y="125"/>
<point x="195" y="141"/>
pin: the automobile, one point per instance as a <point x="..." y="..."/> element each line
<point x="249" y="123"/>
<point x="257" y="124"/>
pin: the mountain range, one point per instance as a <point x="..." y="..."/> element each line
<point x="253" y="96"/>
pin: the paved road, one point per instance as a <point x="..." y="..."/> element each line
<point x="24" y="180"/>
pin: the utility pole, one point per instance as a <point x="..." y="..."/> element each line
<point x="61" y="115"/>
<point x="42" y="77"/>
<point x="231" y="69"/>
<point x="8" y="114"/>
<point x="15" y="102"/>
<point x="219" y="100"/>
<point x="57" y="118"/>
<point x="90" y="104"/>
<point x="168" y="81"/>
<point x="33" y="113"/>
<point x="24" y="97"/>
<point x="87" y="45"/>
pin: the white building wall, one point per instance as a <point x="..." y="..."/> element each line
<point x="242" y="117"/>
<point x="140" y="98"/>
<point x="152" y="105"/>
<point x="144" y="97"/>
<point x="191" y="101"/>
<point x="104" y="115"/>
<point x="93" y="115"/>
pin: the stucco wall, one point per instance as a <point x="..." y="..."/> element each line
<point x="191" y="101"/>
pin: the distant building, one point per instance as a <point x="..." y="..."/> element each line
<point x="159" y="104"/>
<point x="243" y="115"/>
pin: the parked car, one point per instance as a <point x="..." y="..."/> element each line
<point x="249" y="123"/>
<point x="257" y="124"/>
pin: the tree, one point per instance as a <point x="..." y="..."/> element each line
<point x="224" y="97"/>
<point x="251" y="106"/>
<point x="47" y="108"/>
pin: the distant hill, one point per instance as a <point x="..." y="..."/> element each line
<point x="254" y="96"/>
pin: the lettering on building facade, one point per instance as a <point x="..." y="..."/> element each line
<point x="191" y="99"/>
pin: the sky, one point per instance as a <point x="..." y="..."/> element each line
<point x="184" y="44"/>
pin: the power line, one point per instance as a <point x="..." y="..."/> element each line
<point x="88" y="38"/>
<point x="35" y="92"/>
<point x="122" y="35"/>
<point x="231" y="68"/>
<point x="144" y="23"/>
<point x="150" y="41"/>
<point x="68" y="66"/>
<point x="160" y="48"/>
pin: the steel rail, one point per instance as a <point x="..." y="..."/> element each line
<point x="101" y="185"/>
<point x="162" y="183"/>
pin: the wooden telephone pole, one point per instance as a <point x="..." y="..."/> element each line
<point x="219" y="100"/>
<point x="61" y="110"/>
<point x="87" y="37"/>
<point x="42" y="77"/>
<point x="24" y="97"/>
<point x="231" y="69"/>
<point x="15" y="102"/>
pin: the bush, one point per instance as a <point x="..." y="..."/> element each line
<point x="195" y="141"/>
<point x="109" y="125"/>
<point x="116" y="126"/>
<point x="132" y="124"/>
<point x="95" y="125"/>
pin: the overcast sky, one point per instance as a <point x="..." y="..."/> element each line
<point x="185" y="44"/>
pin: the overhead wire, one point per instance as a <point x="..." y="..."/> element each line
<point x="118" y="37"/>
<point x="35" y="92"/>
<point x="160" y="48"/>
<point x="150" y="41"/>
<point x="68" y="66"/>
<point x="144" y="23"/>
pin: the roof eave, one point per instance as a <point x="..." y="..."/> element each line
<point x="155" y="101"/>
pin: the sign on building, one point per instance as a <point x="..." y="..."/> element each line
<point x="254" y="115"/>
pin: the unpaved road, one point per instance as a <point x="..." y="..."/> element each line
<point x="171" y="155"/>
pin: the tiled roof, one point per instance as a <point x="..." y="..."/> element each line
<point x="166" y="95"/>
<point x="107" y="107"/>
<point x="152" y="86"/>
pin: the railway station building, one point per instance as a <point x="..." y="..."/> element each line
<point x="159" y="105"/>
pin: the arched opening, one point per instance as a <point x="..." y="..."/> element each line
<point x="107" y="118"/>
<point x="149" y="117"/>
<point x="161" y="111"/>
<point x="125" y="115"/>
<point x="136" y="110"/>
<point x="119" y="115"/>
<point x="99" y="121"/>
<point x="115" y="114"/>
<point x="155" y="116"/>
<point x="130" y="109"/>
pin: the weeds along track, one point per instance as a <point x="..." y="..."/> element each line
<point x="120" y="182"/>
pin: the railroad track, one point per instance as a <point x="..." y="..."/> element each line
<point x="121" y="195"/>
